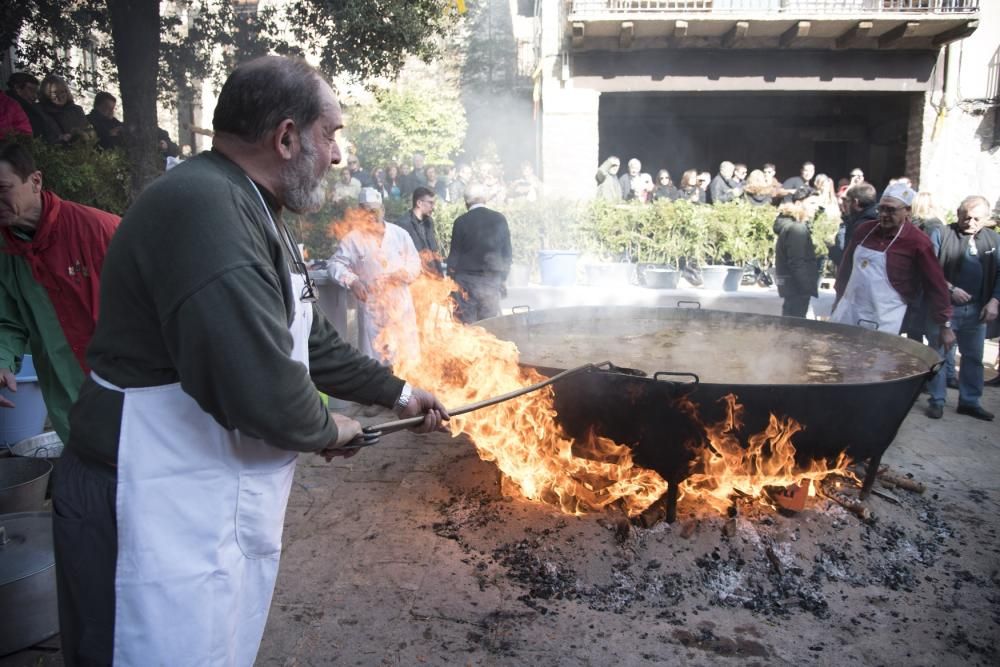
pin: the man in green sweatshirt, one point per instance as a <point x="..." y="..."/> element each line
<point x="170" y="498"/>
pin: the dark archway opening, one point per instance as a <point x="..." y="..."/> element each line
<point x="836" y="131"/>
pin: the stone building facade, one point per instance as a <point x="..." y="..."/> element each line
<point x="892" y="86"/>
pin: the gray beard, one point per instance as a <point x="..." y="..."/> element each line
<point x="304" y="192"/>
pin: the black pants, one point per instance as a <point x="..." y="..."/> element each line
<point x="795" y="306"/>
<point x="480" y="296"/>
<point x="85" y="535"/>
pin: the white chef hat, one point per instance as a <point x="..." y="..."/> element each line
<point x="900" y="191"/>
<point x="370" y="197"/>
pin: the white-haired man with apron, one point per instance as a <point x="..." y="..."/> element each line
<point x="170" y="497"/>
<point x="888" y="264"/>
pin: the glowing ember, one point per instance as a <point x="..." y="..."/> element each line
<point x="463" y="364"/>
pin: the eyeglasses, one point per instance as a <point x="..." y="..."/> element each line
<point x="664" y="178"/>
<point x="308" y="293"/>
<point x="889" y="209"/>
<point x="857" y="175"/>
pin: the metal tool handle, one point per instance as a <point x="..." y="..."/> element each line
<point x="374" y="432"/>
<point x="658" y="374"/>
<point x="520" y="309"/>
<point x="695" y="304"/>
<point x="873" y="323"/>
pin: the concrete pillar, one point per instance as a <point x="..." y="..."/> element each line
<point x="569" y="139"/>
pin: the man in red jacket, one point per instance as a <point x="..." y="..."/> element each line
<point x="51" y="254"/>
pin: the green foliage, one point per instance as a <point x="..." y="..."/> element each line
<point x="401" y="121"/>
<point x="82" y="173"/>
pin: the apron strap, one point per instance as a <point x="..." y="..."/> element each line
<point x="104" y="383"/>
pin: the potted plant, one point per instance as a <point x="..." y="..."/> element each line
<point x="609" y="233"/>
<point x="661" y="244"/>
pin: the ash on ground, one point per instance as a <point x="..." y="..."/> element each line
<point x="910" y="568"/>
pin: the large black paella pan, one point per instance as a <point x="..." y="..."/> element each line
<point x="849" y="387"/>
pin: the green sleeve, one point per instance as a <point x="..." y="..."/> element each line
<point x="231" y="347"/>
<point x="13" y="333"/>
<point x="343" y="372"/>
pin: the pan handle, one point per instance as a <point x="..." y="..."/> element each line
<point x="608" y="367"/>
<point x="658" y="374"/>
<point x="695" y="304"/>
<point x="874" y="327"/>
<point x="520" y="309"/>
<point x="935" y="368"/>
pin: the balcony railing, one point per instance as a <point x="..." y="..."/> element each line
<point x="584" y="8"/>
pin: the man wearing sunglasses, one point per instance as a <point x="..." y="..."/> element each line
<point x="889" y="263"/>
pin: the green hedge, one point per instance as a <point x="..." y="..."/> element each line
<point x="660" y="233"/>
<point x="82" y="173"/>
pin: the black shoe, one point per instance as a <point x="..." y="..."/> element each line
<point x="934" y="411"/>
<point x="952" y="383"/>
<point x="995" y="382"/>
<point x="975" y="411"/>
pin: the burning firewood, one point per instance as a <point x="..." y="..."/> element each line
<point x="852" y="505"/>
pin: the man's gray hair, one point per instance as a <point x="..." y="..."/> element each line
<point x="475" y="193"/>
<point x="972" y="201"/>
<point x="262" y="93"/>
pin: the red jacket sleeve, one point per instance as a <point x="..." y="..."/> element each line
<point x="12" y="117"/>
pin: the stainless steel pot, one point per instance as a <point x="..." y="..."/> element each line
<point x="23" y="482"/>
<point x="27" y="581"/>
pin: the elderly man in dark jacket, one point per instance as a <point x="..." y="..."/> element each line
<point x="795" y="268"/>
<point x="480" y="257"/>
<point x="724" y="187"/>
<point x="968" y="256"/>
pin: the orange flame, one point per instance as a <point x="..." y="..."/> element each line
<point x="726" y="467"/>
<point x="463" y="364"/>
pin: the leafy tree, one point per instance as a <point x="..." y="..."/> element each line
<point x="353" y="37"/>
<point x="402" y="120"/>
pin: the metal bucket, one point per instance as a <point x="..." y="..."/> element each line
<point x="27" y="581"/>
<point x="23" y="482"/>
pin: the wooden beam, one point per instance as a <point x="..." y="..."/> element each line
<point x="626" y="34"/>
<point x="578" y="31"/>
<point x="736" y="34"/>
<point x="680" y="32"/>
<point x="901" y="31"/>
<point x="855" y="34"/>
<point x="956" y="33"/>
<point x="794" y="34"/>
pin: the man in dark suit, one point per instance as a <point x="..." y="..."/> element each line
<point x="480" y="257"/>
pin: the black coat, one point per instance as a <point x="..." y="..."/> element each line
<point x="795" y="268"/>
<point x="480" y="243"/>
<point x="424" y="240"/>
<point x="721" y="190"/>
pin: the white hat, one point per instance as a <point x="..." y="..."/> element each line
<point x="370" y="197"/>
<point x="901" y="192"/>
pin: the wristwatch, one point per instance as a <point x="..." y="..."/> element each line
<point x="947" y="324"/>
<point x="404" y="397"/>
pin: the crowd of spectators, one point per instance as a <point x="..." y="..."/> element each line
<point x="398" y="181"/>
<point x="47" y="111"/>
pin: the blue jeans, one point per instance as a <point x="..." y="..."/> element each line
<point x="970" y="335"/>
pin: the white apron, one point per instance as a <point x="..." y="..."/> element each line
<point x="869" y="296"/>
<point x="200" y="517"/>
